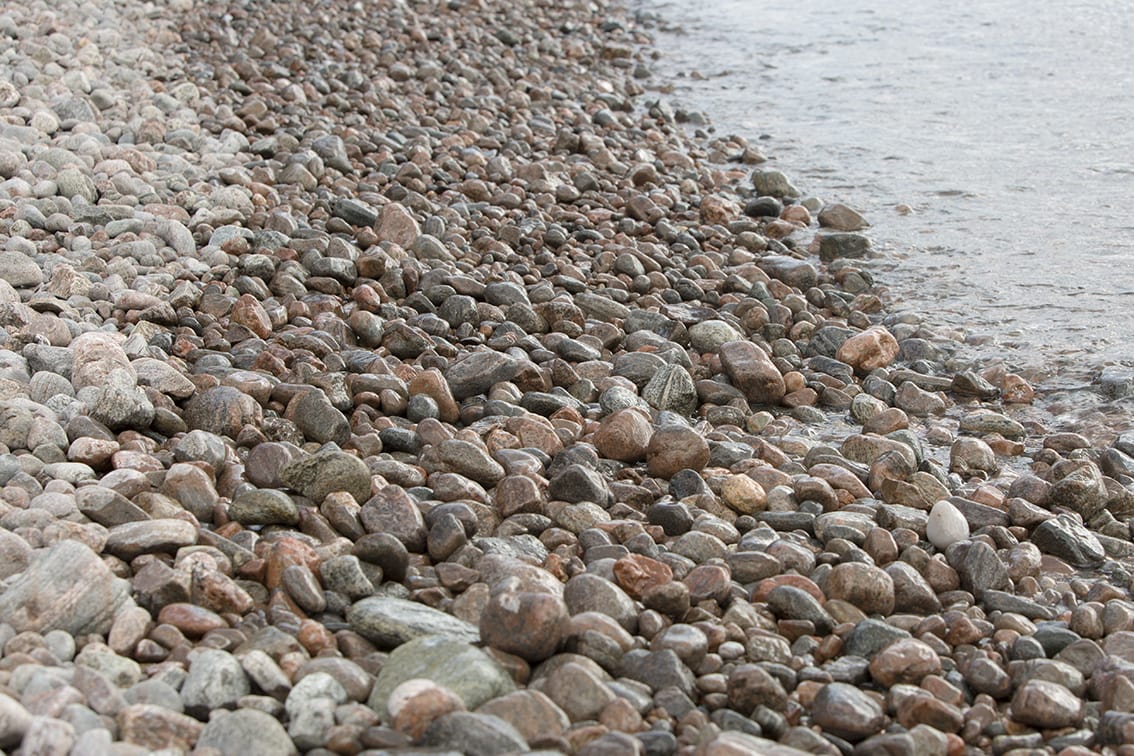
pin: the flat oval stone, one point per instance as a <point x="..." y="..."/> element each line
<point x="264" y="506"/>
<point x="847" y="712"/>
<point x="390" y="622"/>
<point x="458" y="666"/>
<point x="132" y="539"/>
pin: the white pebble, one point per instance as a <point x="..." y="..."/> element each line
<point x="946" y="525"/>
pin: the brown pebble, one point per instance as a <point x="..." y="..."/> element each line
<point x="415" y="704"/>
<point x="673" y="449"/>
<point x="193" y="621"/>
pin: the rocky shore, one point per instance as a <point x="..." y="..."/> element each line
<point x="409" y="377"/>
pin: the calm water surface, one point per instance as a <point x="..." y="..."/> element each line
<point x="1006" y="125"/>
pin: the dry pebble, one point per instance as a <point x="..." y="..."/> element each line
<point x="430" y="387"/>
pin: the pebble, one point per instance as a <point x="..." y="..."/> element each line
<point x="675" y="448"/>
<point x="869" y="588"/>
<point x="946" y="525"/>
<point x="464" y="669"/>
<point x="527" y="624"/>
<point x="66" y="587"/>
<point x="905" y="661"/>
<point x="415" y="704"/>
<point x="392" y="622"/>
<point x="246" y="731"/>
<point x="869" y="350"/>
<point x="847" y="712"/>
<point x="1066" y="538"/>
<point x="531" y="712"/>
<point x="324" y="473"/>
<point x="753" y="372"/>
<point x="624" y="435"/>
<point x="1047" y="705"/>
<point x="474" y="733"/>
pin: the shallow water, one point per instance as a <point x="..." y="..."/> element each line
<point x="1007" y="126"/>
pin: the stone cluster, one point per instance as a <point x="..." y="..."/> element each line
<point x="405" y="377"/>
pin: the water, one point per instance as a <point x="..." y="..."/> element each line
<point x="1007" y="126"/>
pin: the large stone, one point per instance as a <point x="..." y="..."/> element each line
<point x="131" y="539"/>
<point x="354" y="212"/>
<point x="869" y="588"/>
<point x="579" y="483"/>
<point x="215" y="681"/>
<point x="391" y="622"/>
<point x="478" y="372"/>
<point x="15" y="552"/>
<point x="248" y="312"/>
<point x="798" y="273"/>
<point x="674" y="448"/>
<point x="834" y="246"/>
<point x="1081" y="489"/>
<point x="970" y="455"/>
<point x="736" y="743"/>
<point x="317" y="419"/>
<point x="66" y="587"/>
<point x="15" y="721"/>
<point x="1046" y="705"/>
<point x="671" y="389"/>
<point x="945" y="525"/>
<point x="264" y="506"/>
<point x="839" y="217"/>
<point x="327" y="472"/>
<point x="658" y="669"/>
<point x="773" y="183"/>
<point x="310" y="709"/>
<point x="531" y="712"/>
<point x="912" y="592"/>
<point x="588" y="592"/>
<point x="870" y="636"/>
<point x="156" y="727"/>
<point x="391" y="511"/>
<point x="119" y="403"/>
<point x="710" y="335"/>
<point x="415" y="704"/>
<point x="458" y="666"/>
<point x="978" y="566"/>
<point x="474" y="734"/>
<point x="246" y="731"/>
<point x="790" y="602"/>
<point x="751" y="686"/>
<point x="397" y="225"/>
<point x="1066" y="538"/>
<point x="471" y="460"/>
<point x="19" y="270"/>
<point x="752" y="371"/>
<point x="872" y="349"/>
<point x="624" y="435"/>
<point x="905" y="661"/>
<point x="222" y="410"/>
<point x="578" y="689"/>
<point x="95" y="355"/>
<point x="847" y="712"/>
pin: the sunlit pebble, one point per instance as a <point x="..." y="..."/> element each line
<point x="946" y="525"/>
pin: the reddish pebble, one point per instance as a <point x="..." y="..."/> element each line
<point x="283" y="554"/>
<point x="766" y="586"/>
<point x="637" y="574"/>
<point x="193" y="621"/>
<point x="414" y="705"/>
<point x="316" y="638"/>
